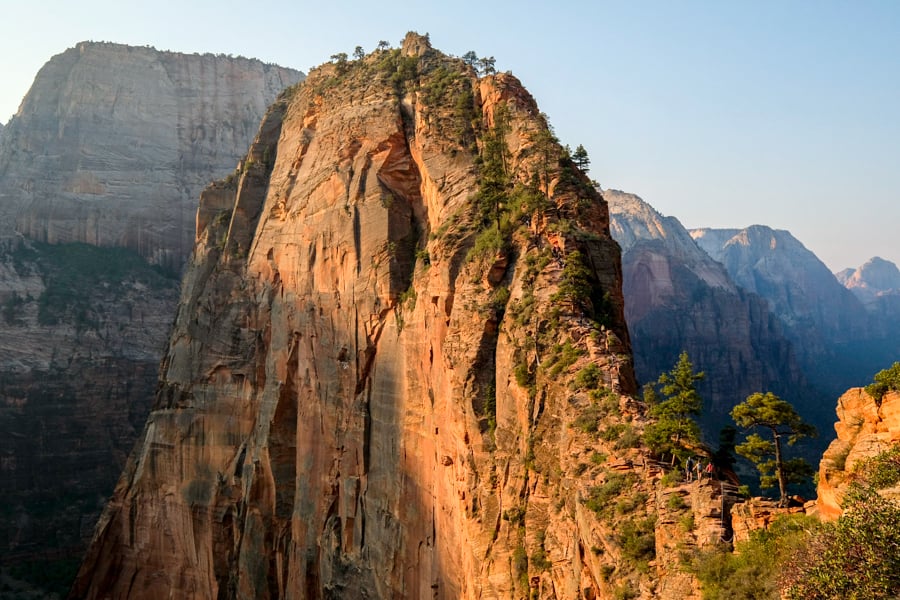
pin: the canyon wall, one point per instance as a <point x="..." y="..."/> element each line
<point x="864" y="429"/>
<point x="99" y="174"/>
<point x="112" y="144"/>
<point x="838" y="343"/>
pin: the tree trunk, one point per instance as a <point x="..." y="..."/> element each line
<point x="779" y="471"/>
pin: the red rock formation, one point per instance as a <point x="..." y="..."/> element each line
<point x="365" y="397"/>
<point x="864" y="429"/>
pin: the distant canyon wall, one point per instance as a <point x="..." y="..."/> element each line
<point x="112" y="144"/>
<point x="100" y="171"/>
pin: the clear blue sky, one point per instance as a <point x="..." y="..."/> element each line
<point x="723" y="114"/>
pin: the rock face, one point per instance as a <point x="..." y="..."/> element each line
<point x="113" y="143"/>
<point x="367" y="393"/>
<point x="864" y="428"/>
<point x="677" y="298"/>
<point x="105" y="158"/>
<point x="878" y="277"/>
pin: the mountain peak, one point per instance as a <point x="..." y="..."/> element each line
<point x="877" y="277"/>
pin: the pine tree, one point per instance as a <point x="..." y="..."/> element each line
<point x="675" y="430"/>
<point x="768" y="411"/>
<point x="581" y="159"/>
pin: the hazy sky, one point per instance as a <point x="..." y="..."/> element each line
<point x="723" y="114"/>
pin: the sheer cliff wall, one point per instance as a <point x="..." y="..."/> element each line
<point x="400" y="366"/>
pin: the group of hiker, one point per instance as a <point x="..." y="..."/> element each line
<point x="695" y="468"/>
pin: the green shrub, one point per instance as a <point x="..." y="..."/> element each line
<point x="885" y="381"/>
<point x="857" y="556"/>
<point x="539" y="559"/>
<point x="625" y="591"/>
<point x="489" y="242"/>
<point x="588" y="377"/>
<point x="753" y="570"/>
<point x="613" y="432"/>
<point x="630" y="503"/>
<point x="520" y="564"/>
<point x="601" y="496"/>
<point x="514" y="515"/>
<point x="637" y="538"/>
<point x="671" y="478"/>
<point x="676" y="502"/>
<point x="880" y="471"/>
<point x="628" y="438"/>
<point x="588" y="421"/>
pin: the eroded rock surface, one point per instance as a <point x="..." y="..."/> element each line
<point x="836" y="341"/>
<point x="864" y="429"/>
<point x="113" y="143"/>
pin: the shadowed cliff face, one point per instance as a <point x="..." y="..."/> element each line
<point x="838" y="343"/>
<point x="365" y="397"/>
<point x="105" y="159"/>
<point x="677" y="298"/>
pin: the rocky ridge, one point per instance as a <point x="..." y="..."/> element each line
<point x="366" y="392"/>
<point x="837" y="342"/>
<point x="106" y="156"/>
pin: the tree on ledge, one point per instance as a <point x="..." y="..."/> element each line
<point x="768" y="411"/>
<point x="675" y="430"/>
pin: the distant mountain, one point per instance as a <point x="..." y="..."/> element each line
<point x="678" y="298"/>
<point x="838" y="343"/>
<point x="877" y="277"/>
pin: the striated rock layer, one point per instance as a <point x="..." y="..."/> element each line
<point x="105" y="159"/>
<point x="864" y="429"/>
<point x="113" y="143"/>
<point x="366" y="392"/>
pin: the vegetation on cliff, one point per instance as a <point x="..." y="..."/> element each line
<point x="674" y="432"/>
<point x="801" y="558"/>
<point x="886" y="381"/>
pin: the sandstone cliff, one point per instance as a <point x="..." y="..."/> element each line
<point x="113" y="143"/>
<point x="111" y="147"/>
<point x="677" y="298"/>
<point x="864" y="428"/>
<point x="400" y="366"/>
